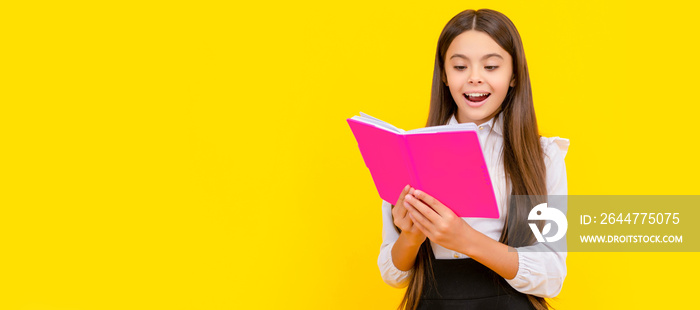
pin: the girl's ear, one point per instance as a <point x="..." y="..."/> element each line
<point x="512" y="81"/>
<point x="444" y="80"/>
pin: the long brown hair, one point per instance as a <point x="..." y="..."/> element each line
<point x="522" y="153"/>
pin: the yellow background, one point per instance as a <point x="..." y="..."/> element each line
<point x="195" y="155"/>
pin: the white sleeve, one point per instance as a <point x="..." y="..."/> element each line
<point x="393" y="276"/>
<point x="541" y="272"/>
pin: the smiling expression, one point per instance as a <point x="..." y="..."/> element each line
<point x="479" y="73"/>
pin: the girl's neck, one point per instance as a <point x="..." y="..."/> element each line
<point x="478" y="123"/>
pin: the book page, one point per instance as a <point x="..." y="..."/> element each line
<point x="377" y="122"/>
<point x="365" y="118"/>
<point x="444" y="128"/>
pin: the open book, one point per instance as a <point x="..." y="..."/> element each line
<point x="445" y="161"/>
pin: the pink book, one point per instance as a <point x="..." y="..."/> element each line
<point x="445" y="161"/>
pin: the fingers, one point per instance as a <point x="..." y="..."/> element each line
<point x="420" y="221"/>
<point x="434" y="204"/>
<point x="401" y="211"/>
<point x="425" y="211"/>
<point x="403" y="193"/>
<point x="405" y="224"/>
<point x="420" y="226"/>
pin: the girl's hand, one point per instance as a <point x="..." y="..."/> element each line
<point x="437" y="221"/>
<point x="403" y="222"/>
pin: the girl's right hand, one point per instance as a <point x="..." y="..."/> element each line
<point x="403" y="221"/>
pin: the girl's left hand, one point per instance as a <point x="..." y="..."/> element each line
<point x="437" y="221"/>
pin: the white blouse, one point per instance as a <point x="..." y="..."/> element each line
<point x="540" y="273"/>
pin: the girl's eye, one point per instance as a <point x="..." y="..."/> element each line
<point x="460" y="68"/>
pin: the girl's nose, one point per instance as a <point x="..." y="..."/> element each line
<point x="475" y="79"/>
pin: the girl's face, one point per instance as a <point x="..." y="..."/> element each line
<point x="478" y="72"/>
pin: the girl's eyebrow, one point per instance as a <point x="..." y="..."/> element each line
<point x="482" y="58"/>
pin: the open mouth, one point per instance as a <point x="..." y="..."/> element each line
<point x="476" y="97"/>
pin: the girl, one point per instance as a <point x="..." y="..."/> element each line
<point x="480" y="76"/>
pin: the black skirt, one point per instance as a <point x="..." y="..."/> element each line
<point x="467" y="284"/>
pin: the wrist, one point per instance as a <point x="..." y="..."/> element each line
<point x="412" y="240"/>
<point x="472" y="239"/>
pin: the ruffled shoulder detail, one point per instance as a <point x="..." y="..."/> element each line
<point x="561" y="143"/>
